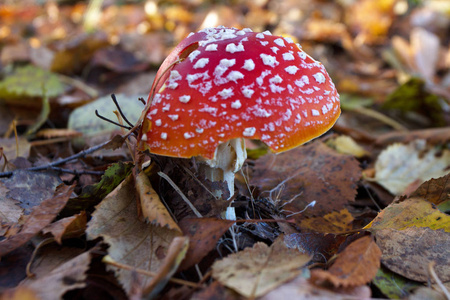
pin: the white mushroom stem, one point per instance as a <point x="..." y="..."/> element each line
<point x="228" y="159"/>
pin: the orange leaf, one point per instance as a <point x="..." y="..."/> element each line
<point x="356" y="265"/>
<point x="203" y="235"/>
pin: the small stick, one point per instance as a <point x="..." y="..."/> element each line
<point x="438" y="281"/>
<point x="176" y="188"/>
<point x="120" y="111"/>
<point x="110" y="121"/>
<point x="62" y="161"/>
<point x="108" y="260"/>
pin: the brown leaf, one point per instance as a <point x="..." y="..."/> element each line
<point x="40" y="217"/>
<point x="308" y="173"/>
<point x="47" y="257"/>
<point x="203" y="235"/>
<point x="131" y="242"/>
<point x="321" y="246"/>
<point x="255" y="271"/>
<point x="408" y="252"/>
<point x="152" y="208"/>
<point x="355" y="266"/>
<point x="68" y="227"/>
<point x="68" y="276"/>
<point x="434" y="190"/>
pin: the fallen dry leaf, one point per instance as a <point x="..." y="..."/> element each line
<point x="30" y="188"/>
<point x="408" y="252"/>
<point x="203" y="236"/>
<point x="47" y="257"/>
<point x="131" y="241"/>
<point x="40" y="216"/>
<point x="68" y="227"/>
<point x="434" y="190"/>
<point x="153" y="209"/>
<point x="321" y="246"/>
<point x="175" y="254"/>
<point x="68" y="276"/>
<point x="309" y="173"/>
<point x="356" y="265"/>
<point x="400" y="165"/>
<point x="255" y="271"/>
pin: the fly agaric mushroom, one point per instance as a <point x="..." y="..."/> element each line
<point x="221" y="85"/>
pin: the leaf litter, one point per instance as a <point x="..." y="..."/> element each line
<point x="322" y="199"/>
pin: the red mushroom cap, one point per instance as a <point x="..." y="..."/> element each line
<point x="238" y="83"/>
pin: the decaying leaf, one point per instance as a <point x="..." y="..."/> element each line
<point x="400" y="165"/>
<point x="255" y="271"/>
<point x="355" y="266"/>
<point x="68" y="276"/>
<point x="203" y="236"/>
<point x="29" y="189"/>
<point x="309" y="173"/>
<point x="175" y="255"/>
<point x="131" y="242"/>
<point x="40" y="216"/>
<point x="67" y="227"/>
<point x="321" y="246"/>
<point x="153" y="210"/>
<point x="408" y="252"/>
<point x="436" y="191"/>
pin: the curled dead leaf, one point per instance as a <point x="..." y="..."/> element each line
<point x="355" y="266"/>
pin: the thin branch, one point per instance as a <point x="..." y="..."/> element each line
<point x="77" y="173"/>
<point x="61" y="161"/>
<point x="108" y="260"/>
<point x="111" y="121"/>
<point x="120" y="111"/>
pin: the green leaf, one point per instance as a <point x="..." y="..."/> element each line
<point x="93" y="194"/>
<point x="393" y="285"/>
<point x="30" y="81"/>
<point x="412" y="96"/>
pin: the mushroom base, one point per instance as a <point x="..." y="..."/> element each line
<point x="228" y="159"/>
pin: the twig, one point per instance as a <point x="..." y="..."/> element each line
<point x="62" y="161"/>
<point x="438" y="281"/>
<point x="111" y="121"/>
<point x="79" y="84"/>
<point x="77" y="173"/>
<point x="380" y="117"/>
<point x="108" y="260"/>
<point x="177" y="189"/>
<point x="120" y="110"/>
